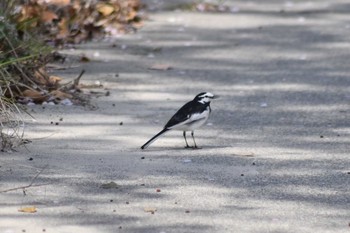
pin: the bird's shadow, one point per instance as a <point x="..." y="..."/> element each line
<point x="181" y="148"/>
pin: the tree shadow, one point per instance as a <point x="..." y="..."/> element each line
<point x="278" y="142"/>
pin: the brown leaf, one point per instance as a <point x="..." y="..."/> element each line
<point x="36" y="96"/>
<point x="60" y="95"/>
<point x="151" y="210"/>
<point x="63" y="28"/>
<point x="58" y="2"/>
<point x="84" y="58"/>
<point x="41" y="76"/>
<point x="131" y="15"/>
<point x="29" y="12"/>
<point x="137" y="25"/>
<point x="48" y="16"/>
<point x="28" y="209"/>
<point x="54" y="80"/>
<point x="105" y="9"/>
<point x="160" y="67"/>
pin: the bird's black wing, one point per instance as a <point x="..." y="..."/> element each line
<point x="185" y="112"/>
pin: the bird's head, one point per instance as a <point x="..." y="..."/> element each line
<point x="205" y="97"/>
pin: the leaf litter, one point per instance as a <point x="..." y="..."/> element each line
<point x="58" y="23"/>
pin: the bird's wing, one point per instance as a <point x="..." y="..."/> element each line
<point x="183" y="115"/>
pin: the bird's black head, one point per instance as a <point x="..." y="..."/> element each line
<point x="205" y="97"/>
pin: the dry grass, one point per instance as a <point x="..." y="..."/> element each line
<point x="26" y="30"/>
<point x="11" y="124"/>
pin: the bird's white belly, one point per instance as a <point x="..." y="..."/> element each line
<point x="196" y="121"/>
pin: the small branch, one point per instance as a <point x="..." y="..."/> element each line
<point x="72" y="84"/>
<point x="35" y="177"/>
<point x="30" y="184"/>
<point x="23" y="187"/>
<point x="77" y="80"/>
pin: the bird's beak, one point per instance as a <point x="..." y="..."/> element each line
<point x="216" y="97"/>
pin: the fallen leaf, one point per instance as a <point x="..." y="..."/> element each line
<point x="245" y="154"/>
<point x="48" y="16"/>
<point x="28" y="209"/>
<point x="131" y="15"/>
<point x="60" y="95"/>
<point x="63" y="28"/>
<point x="84" y="58"/>
<point x="151" y="210"/>
<point x="54" y="80"/>
<point x="59" y="2"/>
<point x="36" y="96"/>
<point x="110" y="185"/>
<point x="105" y="9"/>
<point x="41" y="76"/>
<point x="160" y="67"/>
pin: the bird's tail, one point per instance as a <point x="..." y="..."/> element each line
<point x="154" y="138"/>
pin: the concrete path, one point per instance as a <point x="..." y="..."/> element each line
<point x="275" y="154"/>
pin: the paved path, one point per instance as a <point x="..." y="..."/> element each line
<point x="275" y="154"/>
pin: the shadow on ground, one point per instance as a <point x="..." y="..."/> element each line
<point x="276" y="151"/>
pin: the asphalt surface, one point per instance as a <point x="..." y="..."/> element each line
<point x="275" y="152"/>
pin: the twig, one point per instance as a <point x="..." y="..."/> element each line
<point x="35" y="177"/>
<point x="72" y="84"/>
<point x="23" y="187"/>
<point x="30" y="184"/>
<point x="77" y="80"/>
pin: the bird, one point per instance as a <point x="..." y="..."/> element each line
<point x="189" y="117"/>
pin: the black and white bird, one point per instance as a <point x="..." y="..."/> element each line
<point x="189" y="117"/>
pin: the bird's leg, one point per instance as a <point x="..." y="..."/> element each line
<point x="195" y="145"/>
<point x="185" y="139"/>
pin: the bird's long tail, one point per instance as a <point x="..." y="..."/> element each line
<point x="154" y="138"/>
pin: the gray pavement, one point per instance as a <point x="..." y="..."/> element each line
<point x="275" y="154"/>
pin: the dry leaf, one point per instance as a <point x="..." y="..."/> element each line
<point x="131" y="15"/>
<point x="58" y="2"/>
<point x="160" y="67"/>
<point x="29" y="12"/>
<point x="36" y="96"/>
<point x="74" y="21"/>
<point x="84" y="58"/>
<point x="28" y="209"/>
<point x="53" y="80"/>
<point x="137" y="25"/>
<point x="63" y="28"/>
<point x="151" y="210"/>
<point x="60" y="95"/>
<point x="41" y="76"/>
<point x="105" y="9"/>
<point x="110" y="185"/>
<point x="48" y="16"/>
